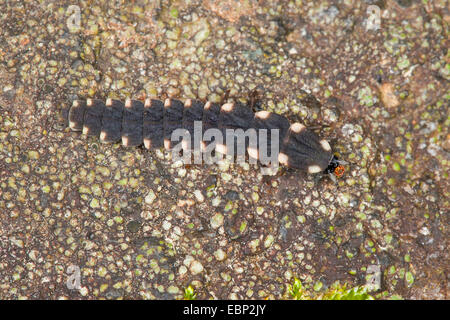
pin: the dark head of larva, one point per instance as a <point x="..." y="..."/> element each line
<point x="335" y="167"/>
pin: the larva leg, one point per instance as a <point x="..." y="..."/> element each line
<point x="254" y="101"/>
<point x="225" y="97"/>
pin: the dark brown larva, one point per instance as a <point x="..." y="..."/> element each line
<point x="151" y="123"/>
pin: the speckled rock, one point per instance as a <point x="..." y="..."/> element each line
<point x="132" y="224"/>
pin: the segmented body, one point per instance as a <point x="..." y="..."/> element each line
<point x="152" y="122"/>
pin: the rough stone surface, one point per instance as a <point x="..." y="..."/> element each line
<point x="139" y="227"/>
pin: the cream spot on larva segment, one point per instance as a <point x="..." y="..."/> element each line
<point x="89" y="102"/>
<point x="167" y="144"/>
<point x="297" y="127"/>
<point x="262" y="115"/>
<point x="207" y="105"/>
<point x="252" y="152"/>
<point x="103" y="136"/>
<point x="167" y="103"/>
<point x="203" y="146"/>
<point x="128" y="103"/>
<point x="109" y="102"/>
<point x="325" y="145"/>
<point x="188" y="103"/>
<point x="147" y="143"/>
<point x="283" y="158"/>
<point x="72" y="125"/>
<point x="85" y="130"/>
<point x="75" y="103"/>
<point x="147" y="103"/>
<point x="314" y="169"/>
<point x="185" y="145"/>
<point x="125" y="141"/>
<point x="228" y="107"/>
<point x="221" y="148"/>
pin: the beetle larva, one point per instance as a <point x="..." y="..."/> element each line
<point x="152" y="123"/>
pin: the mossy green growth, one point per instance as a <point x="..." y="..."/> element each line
<point x="297" y="291"/>
<point x="189" y="293"/>
<point x="335" y="292"/>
